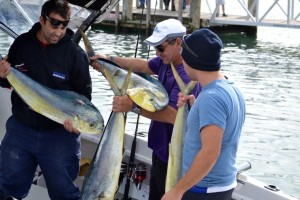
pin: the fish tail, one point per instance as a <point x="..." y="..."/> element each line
<point x="87" y="44"/>
<point x="117" y="91"/>
<point x="185" y="89"/>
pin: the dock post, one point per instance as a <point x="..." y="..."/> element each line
<point x="252" y="7"/>
<point x="195" y="14"/>
<point x="127" y="10"/>
<point x="148" y="15"/>
<point x="179" y="8"/>
<point x="117" y="15"/>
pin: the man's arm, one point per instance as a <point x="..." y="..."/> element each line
<point x="125" y="104"/>
<point x="211" y="137"/>
<point x="136" y="64"/>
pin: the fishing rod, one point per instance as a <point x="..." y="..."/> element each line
<point x="98" y="11"/>
<point x="8" y="30"/>
<point x="131" y="161"/>
<point x="133" y="145"/>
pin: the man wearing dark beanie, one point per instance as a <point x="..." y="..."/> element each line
<point x="214" y="124"/>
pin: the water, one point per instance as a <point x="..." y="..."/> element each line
<point x="267" y="70"/>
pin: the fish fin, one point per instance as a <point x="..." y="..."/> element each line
<point x="76" y="98"/>
<point x="153" y="79"/>
<point x="87" y="44"/>
<point x="66" y="93"/>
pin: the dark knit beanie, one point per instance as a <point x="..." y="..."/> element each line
<point x="207" y="46"/>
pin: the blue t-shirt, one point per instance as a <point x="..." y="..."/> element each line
<point x="220" y="103"/>
<point x="159" y="135"/>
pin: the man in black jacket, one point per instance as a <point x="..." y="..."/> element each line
<point x="48" y="55"/>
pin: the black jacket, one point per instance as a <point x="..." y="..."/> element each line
<point x="62" y="66"/>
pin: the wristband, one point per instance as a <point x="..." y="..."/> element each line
<point x="136" y="108"/>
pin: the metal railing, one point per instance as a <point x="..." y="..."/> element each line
<point x="254" y="17"/>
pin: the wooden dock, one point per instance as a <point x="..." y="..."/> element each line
<point x="135" y="24"/>
<point x="128" y="17"/>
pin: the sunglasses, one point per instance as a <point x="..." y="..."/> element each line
<point x="56" y="22"/>
<point x="161" y="48"/>
<point x="186" y="47"/>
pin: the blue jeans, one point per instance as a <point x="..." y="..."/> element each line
<point x="56" y="151"/>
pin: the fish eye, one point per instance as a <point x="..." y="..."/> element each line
<point x="92" y="125"/>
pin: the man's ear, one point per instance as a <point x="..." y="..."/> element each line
<point x="178" y="41"/>
<point x="42" y="20"/>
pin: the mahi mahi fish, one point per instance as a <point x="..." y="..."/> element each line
<point x="174" y="171"/>
<point x="146" y="91"/>
<point x="57" y="105"/>
<point x="101" y="180"/>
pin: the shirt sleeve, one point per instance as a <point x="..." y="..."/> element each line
<point x="212" y="112"/>
<point x="154" y="65"/>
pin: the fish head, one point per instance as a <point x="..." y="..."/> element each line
<point x="89" y="122"/>
<point x="148" y="99"/>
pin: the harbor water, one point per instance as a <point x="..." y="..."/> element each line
<point x="267" y="70"/>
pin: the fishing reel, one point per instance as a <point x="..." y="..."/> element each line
<point x="139" y="174"/>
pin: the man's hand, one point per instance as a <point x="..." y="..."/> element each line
<point x="183" y="99"/>
<point x="95" y="64"/>
<point x="172" y="194"/>
<point x="122" y="104"/>
<point x="69" y="126"/>
<point x="4" y="67"/>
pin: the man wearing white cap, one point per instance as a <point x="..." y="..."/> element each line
<point x="166" y="39"/>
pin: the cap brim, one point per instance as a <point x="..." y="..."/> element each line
<point x="154" y="41"/>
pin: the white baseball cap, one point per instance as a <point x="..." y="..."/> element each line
<point x="164" y="30"/>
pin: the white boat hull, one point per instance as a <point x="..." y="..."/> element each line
<point x="249" y="188"/>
